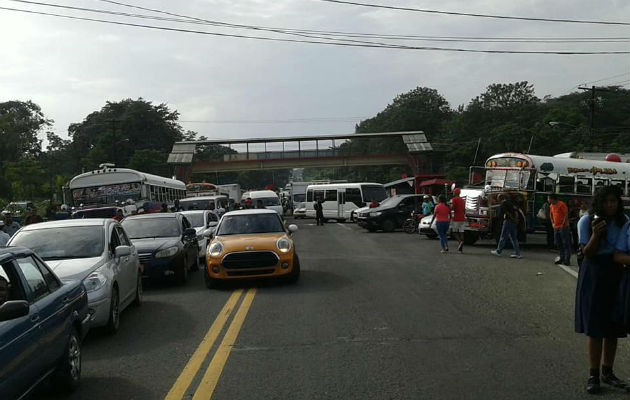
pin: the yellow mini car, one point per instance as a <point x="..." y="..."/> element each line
<point x="250" y="244"/>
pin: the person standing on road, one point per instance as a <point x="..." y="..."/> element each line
<point x="427" y="206"/>
<point x="442" y="218"/>
<point x="319" y="212"/>
<point x="559" y="214"/>
<point x="548" y="226"/>
<point x="598" y="281"/>
<point x="4" y="238"/>
<point x="10" y="226"/>
<point x="509" y="214"/>
<point x="459" y="218"/>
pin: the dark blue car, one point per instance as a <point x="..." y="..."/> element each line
<point x="42" y="324"/>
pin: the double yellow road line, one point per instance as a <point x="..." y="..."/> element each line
<point x="213" y="372"/>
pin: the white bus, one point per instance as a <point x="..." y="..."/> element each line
<point x="340" y="199"/>
<point x="528" y="179"/>
<point x="110" y="185"/>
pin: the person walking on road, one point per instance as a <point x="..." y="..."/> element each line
<point x="599" y="278"/>
<point x="442" y="218"/>
<point x="319" y="212"/>
<point x="459" y="218"/>
<point x="509" y="214"/>
<point x="559" y="214"/>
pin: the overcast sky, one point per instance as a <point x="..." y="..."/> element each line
<point x="71" y="68"/>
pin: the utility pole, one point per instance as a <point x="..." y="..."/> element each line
<point x="114" y="141"/>
<point x="591" y="127"/>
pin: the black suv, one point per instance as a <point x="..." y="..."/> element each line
<point x="391" y="213"/>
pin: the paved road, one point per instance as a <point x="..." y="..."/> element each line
<point x="374" y="316"/>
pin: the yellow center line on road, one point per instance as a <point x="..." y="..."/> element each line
<point x="211" y="377"/>
<point x="189" y="372"/>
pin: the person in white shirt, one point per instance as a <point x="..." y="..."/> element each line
<point x="4" y="238"/>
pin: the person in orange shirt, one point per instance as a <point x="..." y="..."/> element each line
<point x="559" y="214"/>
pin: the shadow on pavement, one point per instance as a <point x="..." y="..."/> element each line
<point x="310" y="281"/>
<point x="161" y="323"/>
<point x="94" y="388"/>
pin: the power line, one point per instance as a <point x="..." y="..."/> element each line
<point x="604" y="79"/>
<point x="421" y="10"/>
<point x="618" y="83"/>
<point x="320" y="42"/>
<point x="356" y="34"/>
<point x="331" y="34"/>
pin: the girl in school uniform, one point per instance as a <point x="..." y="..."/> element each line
<point x="598" y="283"/>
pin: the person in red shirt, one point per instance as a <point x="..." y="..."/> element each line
<point x="442" y="216"/>
<point x="459" y="218"/>
<point x="559" y="214"/>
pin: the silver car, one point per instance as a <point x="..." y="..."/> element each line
<point x="201" y="220"/>
<point x="96" y="251"/>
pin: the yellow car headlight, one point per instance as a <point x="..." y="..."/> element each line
<point x="215" y="249"/>
<point x="284" y="245"/>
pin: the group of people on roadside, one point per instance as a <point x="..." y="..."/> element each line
<point x="453" y="217"/>
<point x="602" y="300"/>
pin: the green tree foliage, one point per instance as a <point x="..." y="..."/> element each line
<point x="505" y="117"/>
<point x="20" y="124"/>
<point x="151" y="161"/>
<point x="28" y="179"/>
<point x="119" y="129"/>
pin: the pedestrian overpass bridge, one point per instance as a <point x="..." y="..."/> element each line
<point x="359" y="149"/>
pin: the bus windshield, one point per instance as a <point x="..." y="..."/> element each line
<point x="107" y="194"/>
<point x="373" y="193"/>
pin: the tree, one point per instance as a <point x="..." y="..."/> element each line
<point x="151" y="161"/>
<point x="28" y="179"/>
<point x="119" y="129"/>
<point x="20" y="124"/>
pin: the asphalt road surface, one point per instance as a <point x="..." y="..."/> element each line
<point x="374" y="316"/>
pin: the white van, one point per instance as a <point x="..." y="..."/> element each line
<point x="269" y="198"/>
<point x="204" y="202"/>
<point x="340" y="199"/>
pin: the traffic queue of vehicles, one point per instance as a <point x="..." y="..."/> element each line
<point x="59" y="279"/>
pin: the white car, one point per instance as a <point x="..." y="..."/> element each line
<point x="354" y="214"/>
<point x="268" y="198"/>
<point x="96" y="251"/>
<point x="300" y="210"/>
<point x="201" y="220"/>
<point x="424" y="228"/>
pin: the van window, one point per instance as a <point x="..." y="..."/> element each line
<point x="373" y="193"/>
<point x="331" y="195"/>
<point x="354" y="196"/>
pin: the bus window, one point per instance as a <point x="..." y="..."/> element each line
<point x="331" y="195"/>
<point x="354" y="196"/>
<point x="309" y="195"/>
<point x="318" y="195"/>
<point x="584" y="185"/>
<point x="621" y="184"/>
<point x="599" y="182"/>
<point x="566" y="184"/>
